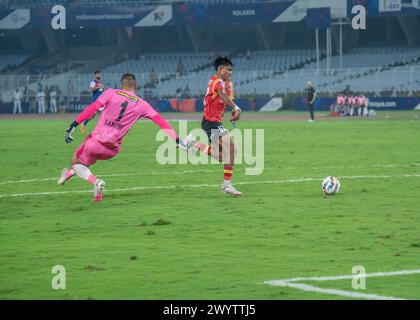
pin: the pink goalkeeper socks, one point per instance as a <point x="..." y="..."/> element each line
<point x="83" y="172"/>
<point x="69" y="174"/>
<point x="91" y="179"/>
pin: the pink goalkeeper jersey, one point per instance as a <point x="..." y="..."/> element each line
<point x="122" y="110"/>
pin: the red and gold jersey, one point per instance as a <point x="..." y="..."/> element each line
<point x="214" y="107"/>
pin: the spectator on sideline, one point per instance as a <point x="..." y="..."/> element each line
<point x="186" y="92"/>
<point x="352" y="104"/>
<point x="336" y="108"/>
<point x="70" y="92"/>
<point x="96" y="87"/>
<point x="53" y="100"/>
<point x="17" y="102"/>
<point x="25" y="94"/>
<point x="40" y="98"/>
<point x="311" y="96"/>
<point x="347" y="91"/>
<point x="153" y="78"/>
<point x="364" y="103"/>
<point x="47" y="97"/>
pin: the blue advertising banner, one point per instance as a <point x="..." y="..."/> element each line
<point x="394" y="103"/>
<point x="149" y="15"/>
<point x="398" y="103"/>
<point x="378" y="8"/>
<point x="76" y="17"/>
<point x="14" y="19"/>
<point x="319" y="18"/>
<point x="229" y="13"/>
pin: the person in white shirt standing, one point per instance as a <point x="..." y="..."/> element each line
<point x="364" y="111"/>
<point x="40" y="98"/>
<point x="17" y="102"/>
<point x="53" y="100"/>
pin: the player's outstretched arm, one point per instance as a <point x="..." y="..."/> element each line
<point x="165" y="126"/>
<point x="84" y="115"/>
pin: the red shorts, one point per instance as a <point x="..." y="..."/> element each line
<point x="91" y="150"/>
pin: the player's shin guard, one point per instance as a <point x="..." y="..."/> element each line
<point x="83" y="172"/>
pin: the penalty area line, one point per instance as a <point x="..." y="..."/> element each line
<point x="294" y="283"/>
<point x="341" y="293"/>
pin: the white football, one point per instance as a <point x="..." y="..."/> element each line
<point x="330" y="185"/>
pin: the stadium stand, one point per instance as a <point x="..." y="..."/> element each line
<point x="249" y="67"/>
<point x="373" y="57"/>
<point x="397" y="79"/>
<point x="273" y="60"/>
<point x="163" y="75"/>
<point x="11" y="60"/>
<point x="267" y="72"/>
<point x="163" y="63"/>
<point x="364" y="69"/>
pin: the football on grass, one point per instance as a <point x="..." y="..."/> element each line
<point x="330" y="185"/>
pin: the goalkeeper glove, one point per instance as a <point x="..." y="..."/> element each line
<point x="185" y="145"/>
<point x="67" y="134"/>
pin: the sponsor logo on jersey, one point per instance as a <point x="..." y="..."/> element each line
<point x="132" y="98"/>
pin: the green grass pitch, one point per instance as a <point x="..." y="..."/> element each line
<point x="196" y="243"/>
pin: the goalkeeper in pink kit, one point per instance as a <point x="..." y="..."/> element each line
<point x="122" y="109"/>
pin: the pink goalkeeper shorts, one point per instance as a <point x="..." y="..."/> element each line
<point x="92" y="150"/>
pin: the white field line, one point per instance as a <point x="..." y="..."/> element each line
<point x="47" y="193"/>
<point x="350" y="276"/>
<point x="382" y="176"/>
<point x="356" y="167"/>
<point x="207" y="170"/>
<point x="110" y="175"/>
<point x="292" y="283"/>
<point x="341" y="293"/>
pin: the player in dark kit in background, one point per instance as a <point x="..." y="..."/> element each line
<point x="311" y="100"/>
<point x="97" y="88"/>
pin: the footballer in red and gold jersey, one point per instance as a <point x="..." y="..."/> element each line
<point x="219" y="95"/>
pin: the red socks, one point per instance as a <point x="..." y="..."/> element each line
<point x="228" y="169"/>
<point x="204" y="148"/>
<point x="228" y="172"/>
